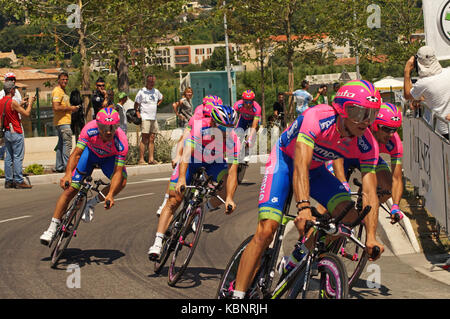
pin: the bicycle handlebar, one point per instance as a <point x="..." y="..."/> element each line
<point x="375" y="252"/>
<point x="108" y="204"/>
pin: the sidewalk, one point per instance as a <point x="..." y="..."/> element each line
<point x="41" y="152"/>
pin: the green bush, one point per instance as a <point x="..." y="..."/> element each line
<point x="35" y="169"/>
<point x="163" y="151"/>
<point x="2" y="173"/>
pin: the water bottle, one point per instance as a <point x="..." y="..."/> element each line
<point x="297" y="255"/>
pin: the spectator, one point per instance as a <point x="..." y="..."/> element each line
<point x="123" y="97"/>
<point x="146" y="102"/>
<point x="321" y="97"/>
<point x="302" y="97"/>
<point x="14" y="139"/>
<point x="99" y="99"/>
<point x="183" y="108"/>
<point x="62" y="117"/>
<point x="17" y="97"/>
<point x="433" y="85"/>
<point x="336" y="87"/>
<point x="278" y="108"/>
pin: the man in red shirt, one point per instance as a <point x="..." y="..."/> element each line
<point x="14" y="140"/>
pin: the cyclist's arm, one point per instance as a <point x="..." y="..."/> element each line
<point x="302" y="161"/>
<point x="116" y="181"/>
<point x="369" y="182"/>
<point x="397" y="183"/>
<point x="339" y="171"/>
<point x="231" y="184"/>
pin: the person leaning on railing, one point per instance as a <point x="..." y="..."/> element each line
<point x="433" y="85"/>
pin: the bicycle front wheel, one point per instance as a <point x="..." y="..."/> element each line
<point x="353" y="257"/>
<point x="332" y="281"/>
<point x="68" y="228"/>
<point x="186" y="244"/>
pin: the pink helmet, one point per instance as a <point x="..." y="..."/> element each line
<point x="108" y="116"/>
<point x="389" y="116"/>
<point x="358" y="100"/>
<point x="248" y="95"/>
<point x="212" y="98"/>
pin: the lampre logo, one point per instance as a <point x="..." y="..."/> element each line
<point x="324" y="153"/>
<point x="345" y="94"/>
<point x="364" y="145"/>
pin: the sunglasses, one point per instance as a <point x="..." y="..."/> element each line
<point x="388" y="129"/>
<point x="360" y="114"/>
<point x="107" y="128"/>
<point x="101" y="85"/>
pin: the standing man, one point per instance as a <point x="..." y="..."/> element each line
<point x="321" y="97"/>
<point x="433" y="85"/>
<point x="99" y="99"/>
<point x="17" y="97"/>
<point x="146" y="103"/>
<point x="302" y="97"/>
<point x="62" y="117"/>
<point x="336" y="87"/>
<point x="278" y="108"/>
<point x="14" y="140"/>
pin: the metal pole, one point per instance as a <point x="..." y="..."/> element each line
<point x="38" y="112"/>
<point x="227" y="56"/>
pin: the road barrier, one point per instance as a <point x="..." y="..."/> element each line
<point x="426" y="163"/>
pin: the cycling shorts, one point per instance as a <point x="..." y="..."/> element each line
<point x="325" y="188"/>
<point x="244" y="124"/>
<point x="215" y="170"/>
<point x="86" y="164"/>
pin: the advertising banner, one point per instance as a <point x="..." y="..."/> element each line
<point x="436" y="15"/>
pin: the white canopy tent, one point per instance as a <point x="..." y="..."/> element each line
<point x="389" y="84"/>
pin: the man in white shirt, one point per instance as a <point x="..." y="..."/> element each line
<point x="146" y="103"/>
<point x="433" y="85"/>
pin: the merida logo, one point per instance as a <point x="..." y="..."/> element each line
<point x="345" y="94"/>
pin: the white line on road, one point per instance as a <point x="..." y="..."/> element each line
<point x="150" y="180"/>
<point x="11" y="219"/>
<point x="134" y="196"/>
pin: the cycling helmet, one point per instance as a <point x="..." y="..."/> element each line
<point x="224" y="115"/>
<point x="212" y="98"/>
<point x="389" y="115"/>
<point x="248" y="95"/>
<point x="108" y="116"/>
<point x="358" y="100"/>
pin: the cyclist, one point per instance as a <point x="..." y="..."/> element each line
<point x="321" y="133"/>
<point x="384" y="129"/>
<point x="202" y="111"/>
<point x="197" y="153"/>
<point x="249" y="116"/>
<point x="101" y="142"/>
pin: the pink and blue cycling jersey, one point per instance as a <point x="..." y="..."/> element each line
<point x="317" y="129"/>
<point x="246" y="116"/>
<point x="209" y="145"/>
<point x="117" y="147"/>
<point x="202" y="111"/>
<point x="394" y="147"/>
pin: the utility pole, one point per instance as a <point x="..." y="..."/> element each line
<point x="227" y="57"/>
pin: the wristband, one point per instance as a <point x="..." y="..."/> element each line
<point x="302" y="201"/>
<point x="302" y="208"/>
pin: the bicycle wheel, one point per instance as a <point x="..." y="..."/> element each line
<point x="186" y="243"/>
<point x="332" y="283"/>
<point x="169" y="241"/>
<point x="227" y="281"/>
<point x="68" y="228"/>
<point x="353" y="257"/>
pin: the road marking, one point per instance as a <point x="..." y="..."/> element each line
<point x="134" y="196"/>
<point x="11" y="219"/>
<point x="150" y="180"/>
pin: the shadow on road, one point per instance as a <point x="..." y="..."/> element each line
<point x="361" y="290"/>
<point x="87" y="257"/>
<point x="193" y="277"/>
<point x="209" y="228"/>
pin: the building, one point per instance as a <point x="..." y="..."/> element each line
<point x="183" y="55"/>
<point x="10" y="55"/>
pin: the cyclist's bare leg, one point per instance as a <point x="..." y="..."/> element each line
<point x="63" y="201"/>
<point x="105" y="190"/>
<point x="251" y="256"/>
<point x="214" y="202"/>
<point x="167" y="213"/>
<point x="145" y="141"/>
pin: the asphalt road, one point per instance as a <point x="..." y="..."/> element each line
<point x="111" y="251"/>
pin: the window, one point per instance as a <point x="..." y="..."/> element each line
<point x="183" y="51"/>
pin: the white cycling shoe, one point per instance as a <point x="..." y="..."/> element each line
<point x="47" y="237"/>
<point x="154" y="252"/>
